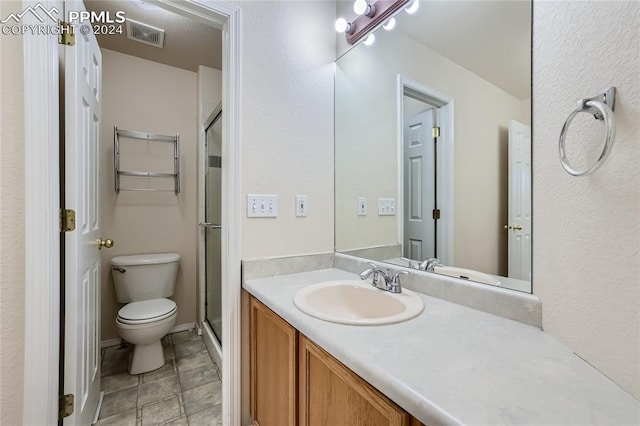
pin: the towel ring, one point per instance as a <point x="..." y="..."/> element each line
<point x="602" y="109"/>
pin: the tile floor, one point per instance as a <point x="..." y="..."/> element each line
<point x="186" y="391"/>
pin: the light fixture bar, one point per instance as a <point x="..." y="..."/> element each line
<point x="364" y="24"/>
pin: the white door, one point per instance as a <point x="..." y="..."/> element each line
<point x="519" y="226"/>
<point x="419" y="186"/>
<point x="83" y="92"/>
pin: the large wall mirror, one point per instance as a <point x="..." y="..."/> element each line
<point x="433" y="143"/>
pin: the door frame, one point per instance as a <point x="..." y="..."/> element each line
<point x="445" y="105"/>
<point x="42" y="210"/>
<point x="42" y="225"/>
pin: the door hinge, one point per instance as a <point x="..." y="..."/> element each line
<point x="435" y="131"/>
<point x="67" y="220"/>
<point x="65" y="406"/>
<point x="66" y="35"/>
<point x="436" y="214"/>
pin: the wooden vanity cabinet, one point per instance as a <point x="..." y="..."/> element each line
<point x="295" y="382"/>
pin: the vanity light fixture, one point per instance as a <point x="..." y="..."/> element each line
<point x="390" y="24"/>
<point x="370" y="39"/>
<point x="413" y="7"/>
<point x="371" y="16"/>
<point x="361" y="7"/>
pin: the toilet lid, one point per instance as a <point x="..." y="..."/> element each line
<point x="146" y="311"/>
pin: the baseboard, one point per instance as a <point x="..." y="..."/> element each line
<point x="110" y="342"/>
<point x="183" y="327"/>
<point x="116" y="341"/>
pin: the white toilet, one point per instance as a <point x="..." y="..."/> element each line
<point x="144" y="281"/>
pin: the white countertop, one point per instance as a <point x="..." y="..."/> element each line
<point x="456" y="365"/>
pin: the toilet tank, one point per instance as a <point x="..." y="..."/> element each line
<point x="141" y="277"/>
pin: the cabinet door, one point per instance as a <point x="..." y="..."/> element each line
<point x="273" y="349"/>
<point x="332" y="395"/>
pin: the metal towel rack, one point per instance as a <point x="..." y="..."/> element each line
<point x="601" y="107"/>
<point x="117" y="133"/>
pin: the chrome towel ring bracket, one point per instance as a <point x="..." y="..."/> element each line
<point x="601" y="107"/>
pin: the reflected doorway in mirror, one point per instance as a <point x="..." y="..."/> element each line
<point x="519" y="227"/>
<point x="425" y="148"/>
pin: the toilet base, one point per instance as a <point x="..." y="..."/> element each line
<point x="145" y="358"/>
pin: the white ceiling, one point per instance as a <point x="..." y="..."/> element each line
<point x="187" y="43"/>
<point x="489" y="38"/>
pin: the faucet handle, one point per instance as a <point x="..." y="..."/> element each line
<point x="394" y="285"/>
<point x="396" y="276"/>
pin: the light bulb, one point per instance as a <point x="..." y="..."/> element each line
<point x="360" y="7"/>
<point x="413" y="7"/>
<point x="341" y="25"/>
<point x="390" y="24"/>
<point x="369" y="41"/>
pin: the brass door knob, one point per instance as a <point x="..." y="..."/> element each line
<point x="105" y="243"/>
<point x="507" y="227"/>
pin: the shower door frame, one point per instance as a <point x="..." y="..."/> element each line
<point x="202" y="233"/>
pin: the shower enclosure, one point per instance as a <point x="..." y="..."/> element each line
<point x="212" y="222"/>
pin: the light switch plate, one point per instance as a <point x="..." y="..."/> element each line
<point x="302" y="205"/>
<point x="386" y="207"/>
<point x="259" y="205"/>
<point x="362" y="206"/>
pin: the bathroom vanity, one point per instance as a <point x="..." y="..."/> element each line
<point x="294" y="381"/>
<point x="449" y="365"/>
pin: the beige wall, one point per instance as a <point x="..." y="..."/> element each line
<point x="11" y="227"/>
<point x="586" y="260"/>
<point x="287" y="123"/>
<point x="366" y="148"/>
<point x="209" y="92"/>
<point x="150" y="97"/>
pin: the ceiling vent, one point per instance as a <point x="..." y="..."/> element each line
<point x="145" y="33"/>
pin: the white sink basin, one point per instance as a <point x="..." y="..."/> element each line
<point x="466" y="274"/>
<point x="357" y="302"/>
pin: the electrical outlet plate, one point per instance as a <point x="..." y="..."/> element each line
<point x="362" y="206"/>
<point x="262" y="205"/>
<point x="302" y="205"/>
<point x="386" y="207"/>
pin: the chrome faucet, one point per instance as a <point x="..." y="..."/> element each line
<point x="378" y="276"/>
<point x="381" y="279"/>
<point x="429" y="264"/>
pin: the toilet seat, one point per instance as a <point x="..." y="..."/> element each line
<point x="147" y="311"/>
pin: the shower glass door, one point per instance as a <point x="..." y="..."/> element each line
<point x="212" y="215"/>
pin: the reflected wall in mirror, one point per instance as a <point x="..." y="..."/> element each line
<point x="433" y="156"/>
